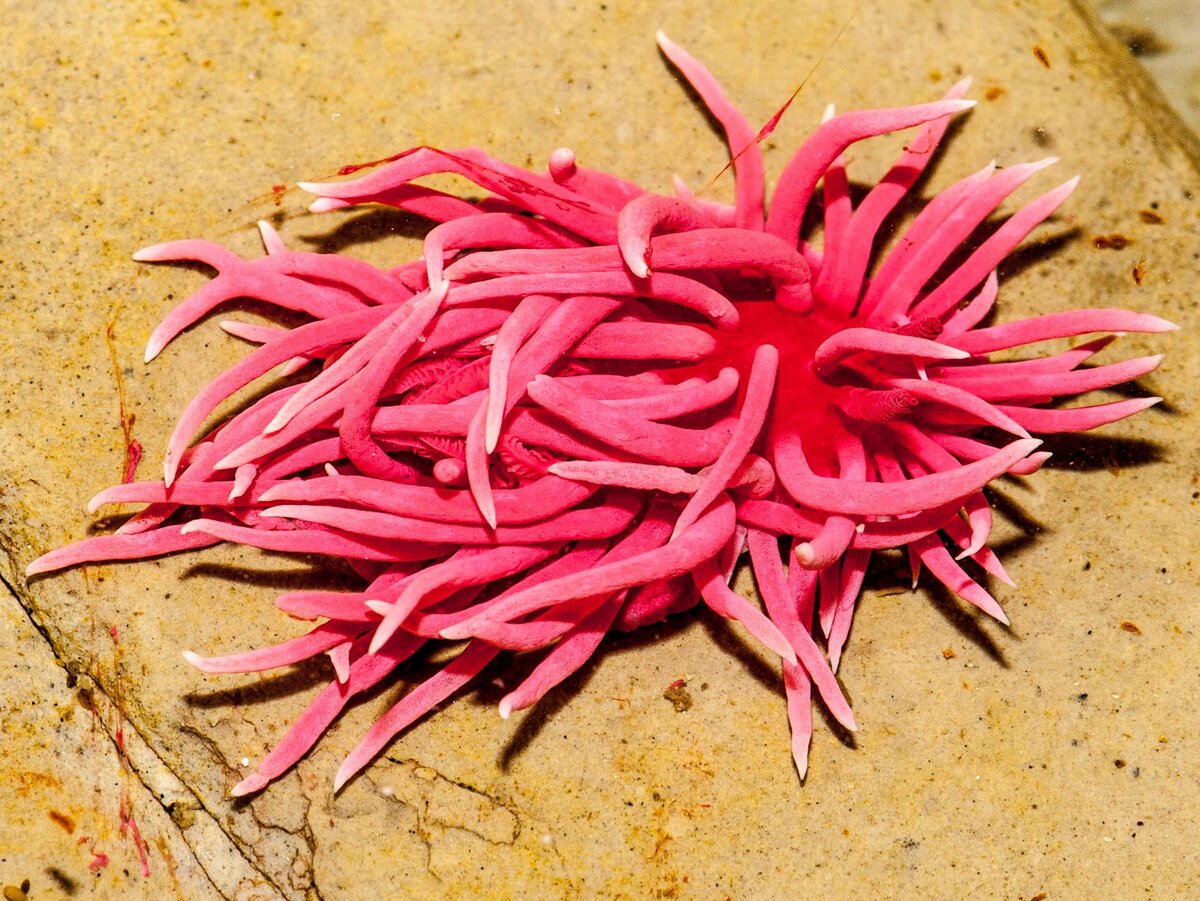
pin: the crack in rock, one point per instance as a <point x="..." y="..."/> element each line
<point x="212" y="855"/>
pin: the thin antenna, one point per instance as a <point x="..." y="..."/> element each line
<point x="773" y="122"/>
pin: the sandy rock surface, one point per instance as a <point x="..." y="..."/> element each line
<point x="1041" y="760"/>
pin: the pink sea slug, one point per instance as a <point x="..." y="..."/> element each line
<point x="586" y="402"/>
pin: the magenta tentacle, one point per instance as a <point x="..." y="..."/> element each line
<point x="976" y="310"/>
<point x="414" y="705"/>
<point x="851" y="341"/>
<point x="918" y="234"/>
<point x="672" y="289"/>
<point x="365" y="387"/>
<point x="746" y="157"/>
<point x="841" y="285"/>
<point x="566" y="658"/>
<point x="947" y="295"/>
<point x="248" y="281"/>
<point x="305" y="338"/>
<point x="949" y="234"/>
<point x="728" y="603"/>
<point x="652" y="440"/>
<point x="768" y="572"/>
<point x="601" y="521"/>
<point x="516" y="330"/>
<point x="102" y="548"/>
<point x="530" y="192"/>
<point x="853" y="571"/>
<point x="365" y="673"/>
<point x="638" y="340"/>
<point x="606" y="189"/>
<point x="1077" y="419"/>
<point x="321" y="639"/>
<point x="835" y="535"/>
<point x="712" y="531"/>
<point x="809" y="163"/>
<point x="444" y="579"/>
<point x="753" y="414"/>
<point x="426" y="202"/>
<point x="487" y="230"/>
<point x="499" y="623"/>
<point x="1057" y="325"/>
<point x="649" y="215"/>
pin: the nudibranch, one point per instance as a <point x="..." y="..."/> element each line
<point x="586" y="403"/>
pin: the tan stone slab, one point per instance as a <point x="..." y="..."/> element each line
<point x="1050" y="758"/>
<point x="88" y="809"/>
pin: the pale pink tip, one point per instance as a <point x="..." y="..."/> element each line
<point x="328" y="204"/>
<point x="272" y="243"/>
<point x="242" y="479"/>
<point x="487" y="509"/>
<point x="282" y="418"/>
<point x="450" y="471"/>
<point x="155" y="253"/>
<point x="250" y="785"/>
<point x="381" y="636"/>
<point x="806" y="554"/>
<point x="1031" y="464"/>
<point x="200" y="663"/>
<point x="170" y="467"/>
<point x="345" y="771"/>
<point x="1153" y="323"/>
<point x="506" y="707"/>
<point x="153" y="347"/>
<point x="42" y="564"/>
<point x="340" y="658"/>
<point x="235" y="458"/>
<point x="801" y="761"/>
<point x="383" y="608"/>
<point x="562" y="164"/>
<point x="974" y="548"/>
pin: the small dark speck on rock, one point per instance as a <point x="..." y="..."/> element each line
<point x="1142" y="40"/>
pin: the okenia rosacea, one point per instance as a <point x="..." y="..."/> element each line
<point x="585" y="402"/>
